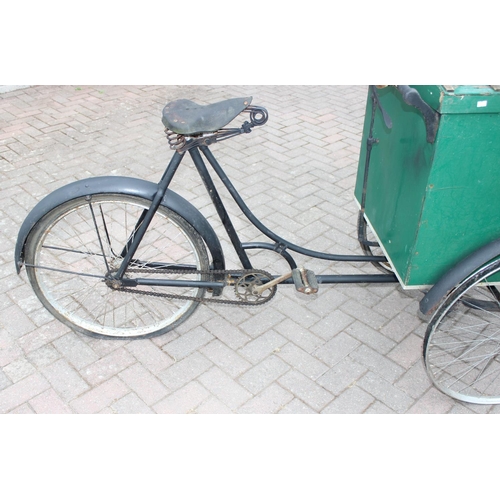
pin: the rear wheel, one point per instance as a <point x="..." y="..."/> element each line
<point x="462" y="343"/>
<point x="77" y="245"/>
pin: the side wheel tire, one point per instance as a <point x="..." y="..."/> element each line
<point x="462" y="342"/>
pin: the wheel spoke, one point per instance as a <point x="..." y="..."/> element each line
<point x="71" y="250"/>
<point x="106" y="232"/>
<point x="65" y="271"/>
<point x="99" y="236"/>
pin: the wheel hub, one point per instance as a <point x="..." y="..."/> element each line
<point x="111" y="281"/>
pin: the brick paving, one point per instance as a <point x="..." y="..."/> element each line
<point x="350" y="349"/>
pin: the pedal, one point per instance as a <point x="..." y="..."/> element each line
<point x="305" y="281"/>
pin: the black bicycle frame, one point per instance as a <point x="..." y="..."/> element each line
<point x="281" y="246"/>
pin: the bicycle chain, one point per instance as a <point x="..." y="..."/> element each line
<point x="202" y="300"/>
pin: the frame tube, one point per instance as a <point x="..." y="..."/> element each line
<point x="216" y="200"/>
<point x="135" y="240"/>
<point x="286" y="244"/>
<point x="177" y="283"/>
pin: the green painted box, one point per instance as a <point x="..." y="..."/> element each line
<point x="432" y="204"/>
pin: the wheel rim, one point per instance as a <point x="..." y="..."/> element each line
<point x="86" y="302"/>
<point x="462" y="345"/>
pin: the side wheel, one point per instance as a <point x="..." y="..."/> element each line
<point x="72" y="249"/>
<point x="462" y="343"/>
<point x="369" y="246"/>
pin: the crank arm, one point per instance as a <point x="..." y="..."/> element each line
<point x="270" y="284"/>
<point x="305" y="281"/>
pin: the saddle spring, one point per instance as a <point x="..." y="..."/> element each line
<point x="175" y="141"/>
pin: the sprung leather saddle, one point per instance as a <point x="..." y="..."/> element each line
<point x="185" y="117"/>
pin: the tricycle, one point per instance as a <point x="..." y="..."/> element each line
<point x="123" y="258"/>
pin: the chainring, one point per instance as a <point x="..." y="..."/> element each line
<point x="245" y="287"/>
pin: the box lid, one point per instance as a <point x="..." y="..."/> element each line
<point x="456" y="99"/>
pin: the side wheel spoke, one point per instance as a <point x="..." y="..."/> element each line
<point x="462" y="343"/>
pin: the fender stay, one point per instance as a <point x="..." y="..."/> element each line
<point x="457" y="274"/>
<point x="119" y="185"/>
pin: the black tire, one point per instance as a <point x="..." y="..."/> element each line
<point x="462" y="342"/>
<point x="69" y="251"/>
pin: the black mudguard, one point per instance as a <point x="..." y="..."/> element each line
<point x="120" y="185"/>
<point x="457" y="274"/>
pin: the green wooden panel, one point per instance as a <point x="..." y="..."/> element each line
<point x="461" y="212"/>
<point x="399" y="168"/>
<point x="432" y="204"/>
